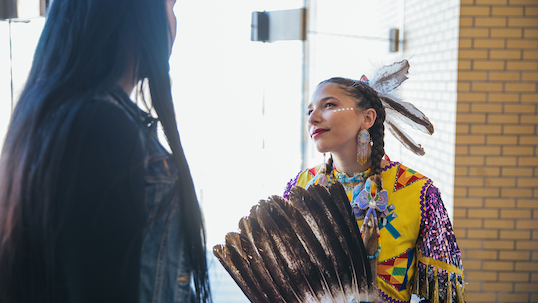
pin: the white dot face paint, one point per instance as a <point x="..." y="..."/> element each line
<point x="343" y="109"/>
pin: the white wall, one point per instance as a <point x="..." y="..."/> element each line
<point x="432" y="33"/>
<point x="238" y="105"/>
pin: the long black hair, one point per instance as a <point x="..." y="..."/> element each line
<point x="85" y="47"/>
<point x="366" y="98"/>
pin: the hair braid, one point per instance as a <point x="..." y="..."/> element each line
<point x="329" y="165"/>
<point x="377" y="133"/>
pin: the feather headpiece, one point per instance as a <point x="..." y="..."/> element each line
<point x="305" y="249"/>
<point x="399" y="112"/>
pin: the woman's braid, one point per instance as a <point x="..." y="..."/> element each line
<point x="329" y="166"/>
<point x="377" y="133"/>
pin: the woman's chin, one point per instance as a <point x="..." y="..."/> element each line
<point x="322" y="149"/>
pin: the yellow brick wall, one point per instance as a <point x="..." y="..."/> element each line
<point x="496" y="164"/>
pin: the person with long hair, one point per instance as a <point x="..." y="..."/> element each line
<point x="92" y="207"/>
<point x="405" y="226"/>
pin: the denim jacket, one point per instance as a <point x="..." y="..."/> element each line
<point x="164" y="264"/>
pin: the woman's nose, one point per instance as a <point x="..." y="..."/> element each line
<point x="314" y="117"/>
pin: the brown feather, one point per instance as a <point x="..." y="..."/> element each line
<point x="408" y="113"/>
<point x="258" y="266"/>
<point x="271" y="259"/>
<point x="242" y="262"/>
<point x="222" y="254"/>
<point x="405" y="139"/>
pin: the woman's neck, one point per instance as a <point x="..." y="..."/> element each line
<point x="347" y="163"/>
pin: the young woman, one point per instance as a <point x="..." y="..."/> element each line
<point x="92" y="207"/>
<point x="415" y="249"/>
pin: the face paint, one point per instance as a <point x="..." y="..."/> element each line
<point x="343" y="109"/>
<point x="333" y="120"/>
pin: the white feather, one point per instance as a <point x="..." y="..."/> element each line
<point x="404" y="138"/>
<point x="389" y="77"/>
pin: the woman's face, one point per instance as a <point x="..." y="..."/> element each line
<point x="334" y="120"/>
<point x="171" y="20"/>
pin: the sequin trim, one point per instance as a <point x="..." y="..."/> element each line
<point x="290" y="184"/>
<point x="387" y="298"/>
<point x="391" y="165"/>
<point x="436" y="237"/>
<point x="437" y="242"/>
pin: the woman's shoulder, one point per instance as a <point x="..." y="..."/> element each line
<point x="306" y="175"/>
<point x="102" y="122"/>
<point x="301" y="179"/>
<point x="396" y="166"/>
<point x="107" y="108"/>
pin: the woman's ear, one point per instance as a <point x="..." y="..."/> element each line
<point x="369" y="116"/>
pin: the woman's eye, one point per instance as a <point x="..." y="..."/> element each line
<point x="309" y="112"/>
<point x="329" y="105"/>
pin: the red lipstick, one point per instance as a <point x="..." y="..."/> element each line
<point x="318" y="131"/>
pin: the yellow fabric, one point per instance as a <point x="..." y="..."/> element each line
<point x="439" y="264"/>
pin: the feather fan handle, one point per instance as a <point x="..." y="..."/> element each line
<point x="390" y="77"/>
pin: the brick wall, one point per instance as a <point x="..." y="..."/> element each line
<point x="496" y="163"/>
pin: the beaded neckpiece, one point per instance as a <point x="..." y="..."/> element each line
<point x="353" y="185"/>
<point x="357" y="178"/>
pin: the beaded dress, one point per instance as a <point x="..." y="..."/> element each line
<point x="419" y="254"/>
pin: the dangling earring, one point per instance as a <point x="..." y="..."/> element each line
<point x="363" y="140"/>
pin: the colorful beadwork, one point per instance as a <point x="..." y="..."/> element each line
<point x="405" y="177"/>
<point x="363" y="146"/>
<point x="371" y="199"/>
<point x="394" y="271"/>
<point x="386" y="223"/>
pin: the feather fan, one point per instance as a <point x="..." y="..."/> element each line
<point x="305" y="249"/>
<point x="399" y="112"/>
